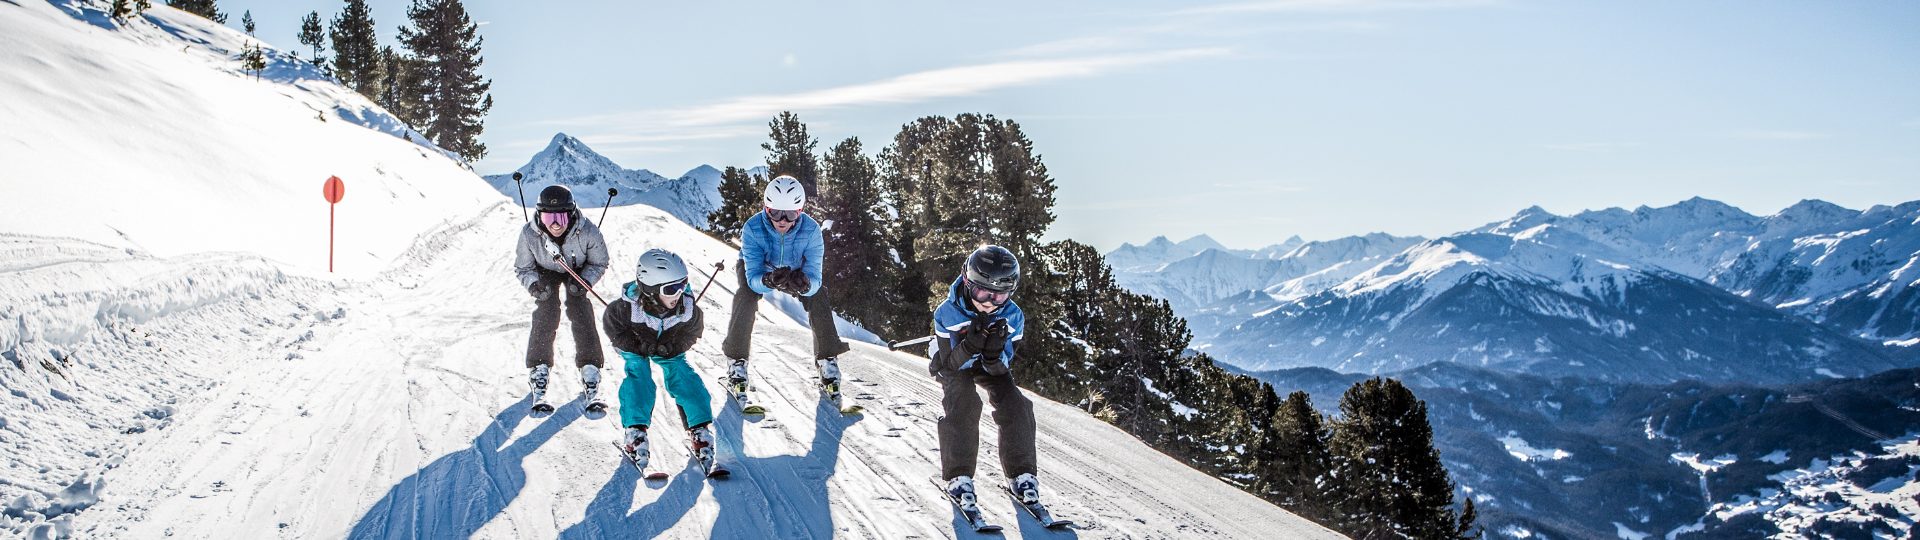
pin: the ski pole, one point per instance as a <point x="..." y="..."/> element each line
<point x="523" y="197"/>
<point x="717" y="268"/>
<point x="911" y="342"/>
<point x="576" y="277"/>
<point x="603" y="210"/>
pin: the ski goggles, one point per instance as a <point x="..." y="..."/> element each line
<point x="783" y="216"/>
<point x="555" y="218"/>
<point x="988" y="296"/>
<point x="666" y="290"/>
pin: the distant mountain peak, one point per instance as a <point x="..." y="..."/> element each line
<point x="566" y="148"/>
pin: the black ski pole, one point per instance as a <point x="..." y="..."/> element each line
<point x="576" y="278"/>
<point x="603" y="210"/>
<point x="717" y="269"/>
<point x="523" y="197"/>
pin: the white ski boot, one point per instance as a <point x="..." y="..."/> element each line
<point x="537" y="380"/>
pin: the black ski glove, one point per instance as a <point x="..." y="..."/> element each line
<point x="574" y="289"/>
<point x="775" y="279"/>
<point x="969" y="341"/>
<point x="797" y="283"/>
<point x="539" y="290"/>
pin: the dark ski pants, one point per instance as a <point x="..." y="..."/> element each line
<point x="826" y="338"/>
<point x="546" y="322"/>
<point x="960" y="427"/>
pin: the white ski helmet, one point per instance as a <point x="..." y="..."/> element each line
<point x="786" y="193"/>
<point x="658" y="266"/>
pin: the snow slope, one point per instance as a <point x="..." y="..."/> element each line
<point x="176" y="382"/>
<point x="406" y="414"/>
<point x="158" y="111"/>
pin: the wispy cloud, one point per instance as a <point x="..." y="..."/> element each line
<point x="1595" y="147"/>
<point x="1781" y="135"/>
<point x="1328" y="6"/>
<point x="723" y="118"/>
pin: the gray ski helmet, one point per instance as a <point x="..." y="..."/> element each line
<point x="556" y="198"/>
<point x="658" y="266"/>
<point x="993" y="268"/>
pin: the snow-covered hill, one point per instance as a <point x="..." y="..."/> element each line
<point x="143" y="135"/>
<point x="195" y="378"/>
<point x="569" y="162"/>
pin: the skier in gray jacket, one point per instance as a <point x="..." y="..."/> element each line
<point x="563" y="233"/>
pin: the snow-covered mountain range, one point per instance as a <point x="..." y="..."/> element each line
<point x="200" y="375"/>
<point x="1696" y="290"/>
<point x="568" y="161"/>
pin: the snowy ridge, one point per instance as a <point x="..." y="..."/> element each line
<point x="1534" y="297"/>
<point x="156" y="111"/>
<point x="568" y="161"/>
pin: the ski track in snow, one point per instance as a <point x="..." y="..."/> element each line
<point x="406" y="418"/>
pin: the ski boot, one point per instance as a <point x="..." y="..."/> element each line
<point x="636" y="447"/>
<point x="537" y="380"/>
<point x="960" y="489"/>
<point x="700" y="444"/>
<point x="1026" y="489"/>
<point x="590" y="389"/>
<point x="737" y="373"/>
<point x="829" y="369"/>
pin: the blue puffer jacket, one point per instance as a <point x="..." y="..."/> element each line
<point x="763" y="249"/>
<point x="957" y="313"/>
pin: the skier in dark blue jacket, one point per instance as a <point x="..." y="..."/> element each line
<point x="781" y="249"/>
<point x="978" y="331"/>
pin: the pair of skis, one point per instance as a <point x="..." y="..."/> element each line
<point x="709" y="463"/>
<point x="977" y="520"/>
<point x="543" y="408"/>
<point x="829" y="390"/>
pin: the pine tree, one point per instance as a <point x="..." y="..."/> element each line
<point x="123" y="10"/>
<point x="246" y="21"/>
<point x="315" y="36"/>
<point x="253" y="59"/>
<point x="790" y="152"/>
<point x="1387" y="474"/>
<point x="447" y="43"/>
<point x="403" y="87"/>
<point x="203" y="8"/>
<point x="1292" y="461"/>
<point x="740" y="197"/>
<point x="858" y="250"/>
<point x="1468" y="529"/>
<point x="356" y="49"/>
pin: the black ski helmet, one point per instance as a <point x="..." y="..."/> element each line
<point x="556" y="198"/>
<point x="993" y="268"/>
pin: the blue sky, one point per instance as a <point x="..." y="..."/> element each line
<point x="1248" y="121"/>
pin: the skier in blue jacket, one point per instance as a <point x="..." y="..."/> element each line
<point x="978" y="331"/>
<point x="781" y="249"/>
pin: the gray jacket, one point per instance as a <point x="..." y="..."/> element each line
<point x="585" y="251"/>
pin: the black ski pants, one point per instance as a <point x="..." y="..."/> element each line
<point x="546" y="322"/>
<point x="826" y="338"/>
<point x="960" y="427"/>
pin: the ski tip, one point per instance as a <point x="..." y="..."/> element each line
<point x="854" y="410"/>
<point x="656" y="476"/>
<point x="753" y="409"/>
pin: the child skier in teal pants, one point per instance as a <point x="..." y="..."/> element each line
<point x="652" y="323"/>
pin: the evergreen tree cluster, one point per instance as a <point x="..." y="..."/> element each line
<point x="126" y="9"/>
<point x="203" y="8"/>
<point x="900" y="224"/>
<point x="434" y="84"/>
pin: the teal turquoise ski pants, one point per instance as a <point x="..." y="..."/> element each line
<point x="637" y="390"/>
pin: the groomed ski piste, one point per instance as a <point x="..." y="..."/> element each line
<point x="178" y="363"/>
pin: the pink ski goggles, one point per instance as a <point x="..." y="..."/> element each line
<point x="554" y="218"/>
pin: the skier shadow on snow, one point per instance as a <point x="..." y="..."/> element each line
<point x="460" y="492"/>
<point x="765" y="497"/>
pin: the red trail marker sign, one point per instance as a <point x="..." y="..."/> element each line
<point x="333" y="190"/>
